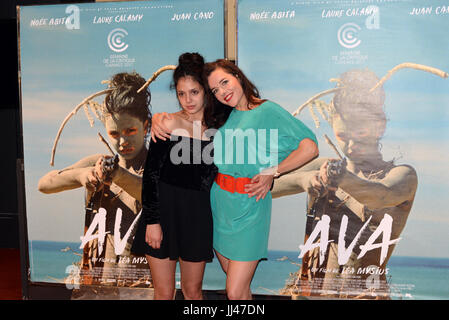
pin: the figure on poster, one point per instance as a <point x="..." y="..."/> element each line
<point x="176" y="219"/>
<point x="367" y="196"/>
<point x="113" y="189"/>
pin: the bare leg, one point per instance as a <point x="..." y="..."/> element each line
<point x="223" y="261"/>
<point x="163" y="275"/>
<point x="239" y="275"/>
<point x="192" y="279"/>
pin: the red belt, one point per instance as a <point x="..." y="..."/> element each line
<point x="231" y="184"/>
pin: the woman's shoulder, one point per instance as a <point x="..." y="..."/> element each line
<point x="175" y="121"/>
<point x="272" y="106"/>
<point x="401" y="169"/>
<point x="275" y="109"/>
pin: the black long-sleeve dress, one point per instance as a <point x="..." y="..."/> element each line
<point x="175" y="193"/>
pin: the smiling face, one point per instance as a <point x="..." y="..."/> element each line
<point x="227" y="89"/>
<point x="126" y="134"/>
<point x="190" y="95"/>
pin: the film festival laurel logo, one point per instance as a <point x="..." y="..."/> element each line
<point x="118" y="43"/>
<point x="349" y="35"/>
<point x="115" y="40"/>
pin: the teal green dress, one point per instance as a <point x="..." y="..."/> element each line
<point x="247" y="143"/>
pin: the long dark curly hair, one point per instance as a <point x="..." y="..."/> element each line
<point x="192" y="64"/>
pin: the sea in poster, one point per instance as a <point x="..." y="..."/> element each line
<point x="374" y="75"/>
<point x="61" y="65"/>
<point x="70" y="52"/>
<point x="412" y="278"/>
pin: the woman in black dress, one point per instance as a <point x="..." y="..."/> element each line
<point x="176" y="222"/>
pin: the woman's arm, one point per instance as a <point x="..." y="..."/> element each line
<point x="158" y="126"/>
<point x="306" y="151"/>
<point x="397" y="186"/>
<point x="303" y="179"/>
<point x="75" y="176"/>
<point x="156" y="157"/>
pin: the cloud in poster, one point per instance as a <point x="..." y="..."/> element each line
<point x="50" y="107"/>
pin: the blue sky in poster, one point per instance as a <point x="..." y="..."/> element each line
<point x="291" y="49"/>
<point x="299" y="55"/>
<point x="153" y="40"/>
<point x="60" y="67"/>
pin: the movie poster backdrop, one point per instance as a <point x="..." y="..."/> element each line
<point x="367" y="219"/>
<point x="68" y="53"/>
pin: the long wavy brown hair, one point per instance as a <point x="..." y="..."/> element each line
<point x="249" y="89"/>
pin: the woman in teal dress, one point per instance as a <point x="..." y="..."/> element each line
<point x="259" y="142"/>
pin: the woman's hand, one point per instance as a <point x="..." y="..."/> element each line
<point x="158" y="129"/>
<point x="153" y="235"/>
<point x="259" y="186"/>
<point x="315" y="186"/>
<point x="89" y="179"/>
<point x="105" y="169"/>
<point x="332" y="172"/>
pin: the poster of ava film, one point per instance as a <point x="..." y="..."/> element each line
<point x="367" y="219"/>
<point x="71" y="57"/>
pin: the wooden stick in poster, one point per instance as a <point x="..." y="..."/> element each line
<point x="155" y="75"/>
<point x="317" y="96"/>
<point x="409" y="65"/>
<point x="67" y="118"/>
<point x="102" y="139"/>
